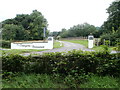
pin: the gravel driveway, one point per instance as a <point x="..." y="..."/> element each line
<point x="68" y="46"/>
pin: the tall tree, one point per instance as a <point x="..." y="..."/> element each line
<point x="111" y="28"/>
<point x="10" y="32"/>
<point x="78" y="30"/>
<point x="25" y="27"/>
<point x="114" y="17"/>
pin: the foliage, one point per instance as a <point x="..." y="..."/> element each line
<point x="72" y="63"/>
<point x="5" y="44"/>
<point x="112" y="37"/>
<point x="79" y="30"/>
<point x="13" y="63"/>
<point x="58" y="81"/>
<point x="114" y="17"/>
<point x="31" y="81"/>
<point x="25" y="27"/>
<point x="117" y="48"/>
<point x="111" y="28"/>
<point x="73" y="69"/>
<point x="100" y="48"/>
<point x="95" y="81"/>
<point x="54" y="34"/>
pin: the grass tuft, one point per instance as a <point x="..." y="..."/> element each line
<point x="57" y="81"/>
<point x="101" y="82"/>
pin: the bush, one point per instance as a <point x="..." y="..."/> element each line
<point x="71" y="63"/>
<point x="12" y="64"/>
<point x="114" y="39"/>
<point x="5" y="44"/>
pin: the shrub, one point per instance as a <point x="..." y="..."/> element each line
<point x="113" y="38"/>
<point x="12" y="64"/>
<point x="71" y="63"/>
<point x="5" y="44"/>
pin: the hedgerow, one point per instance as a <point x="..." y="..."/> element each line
<point x="5" y="44"/>
<point x="75" y="62"/>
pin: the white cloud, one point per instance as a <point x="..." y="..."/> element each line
<point x="59" y="13"/>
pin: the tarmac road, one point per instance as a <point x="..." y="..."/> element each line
<point x="68" y="46"/>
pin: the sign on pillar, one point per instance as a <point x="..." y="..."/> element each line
<point x="90" y="41"/>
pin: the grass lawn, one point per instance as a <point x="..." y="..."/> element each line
<point x="82" y="42"/>
<point x="85" y="43"/>
<point x="57" y="44"/>
<point x="51" y="81"/>
<point x="99" y="48"/>
<point x="19" y="51"/>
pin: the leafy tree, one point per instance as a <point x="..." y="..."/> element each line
<point x="113" y="20"/>
<point x="111" y="28"/>
<point x="64" y="33"/>
<point x="25" y="27"/>
<point x="9" y="31"/>
<point x="79" y="30"/>
<point x="19" y="33"/>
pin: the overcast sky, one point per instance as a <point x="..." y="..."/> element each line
<point x="59" y="13"/>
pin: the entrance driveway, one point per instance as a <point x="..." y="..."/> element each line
<point x="68" y="46"/>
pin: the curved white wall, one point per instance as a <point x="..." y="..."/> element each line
<point x="33" y="45"/>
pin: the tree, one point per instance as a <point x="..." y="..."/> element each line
<point x="113" y="19"/>
<point x="25" y="27"/>
<point x="79" y="30"/>
<point x="64" y="33"/>
<point x="9" y="31"/>
<point x="112" y="25"/>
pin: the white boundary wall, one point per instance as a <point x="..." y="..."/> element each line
<point x="33" y="45"/>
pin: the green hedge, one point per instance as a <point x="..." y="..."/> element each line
<point x="5" y="44"/>
<point x="74" y="62"/>
<point x="113" y="38"/>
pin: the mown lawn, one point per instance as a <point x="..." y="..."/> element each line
<point x="82" y="42"/>
<point x="56" y="81"/>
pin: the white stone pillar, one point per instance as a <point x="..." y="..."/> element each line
<point x="90" y="41"/>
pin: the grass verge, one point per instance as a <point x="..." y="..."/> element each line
<point x="100" y="48"/>
<point x="19" y="51"/>
<point x="55" y="81"/>
<point x="31" y="81"/>
<point x="101" y="82"/>
<point x="57" y="44"/>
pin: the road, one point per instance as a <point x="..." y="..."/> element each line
<point x="68" y="46"/>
